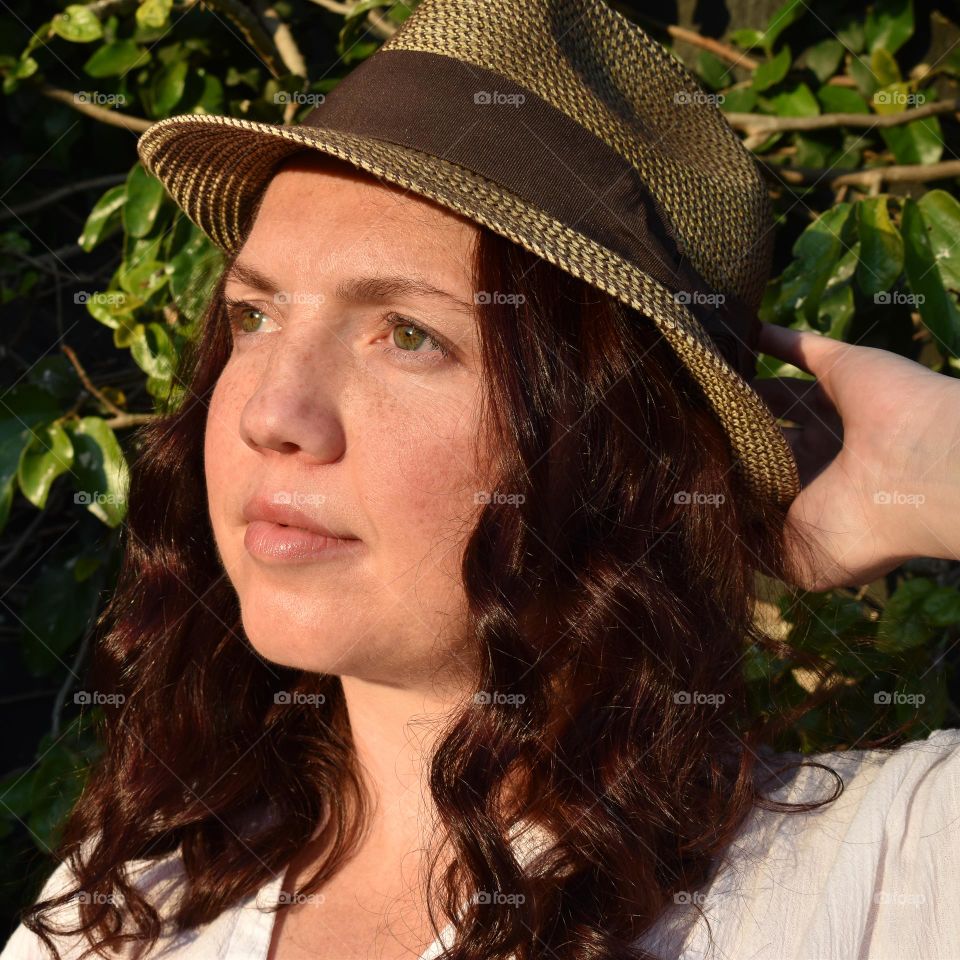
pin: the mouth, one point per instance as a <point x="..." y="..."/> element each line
<point x="274" y="542"/>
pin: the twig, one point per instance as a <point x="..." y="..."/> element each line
<point x="136" y="124"/>
<point x="380" y="25"/>
<point x="69" y="680"/>
<point x="755" y="122"/>
<point x="56" y="195"/>
<point x="835" y="176"/>
<point x="88" y="383"/>
<point x="717" y="47"/>
<point x="124" y="420"/>
<point x="283" y="39"/>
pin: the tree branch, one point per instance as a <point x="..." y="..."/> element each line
<point x="758" y="123"/>
<point x="136" y="124"/>
<point x="56" y="195"/>
<point x="870" y="177"/>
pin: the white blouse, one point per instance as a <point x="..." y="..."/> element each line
<point x="873" y="875"/>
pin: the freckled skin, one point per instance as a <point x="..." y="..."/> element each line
<point x="312" y="404"/>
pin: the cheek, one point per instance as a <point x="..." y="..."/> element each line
<point x="221" y="438"/>
<point x="419" y="461"/>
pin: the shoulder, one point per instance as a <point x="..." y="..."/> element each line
<point x="907" y="781"/>
<point x="872" y="872"/>
<point x="159" y="878"/>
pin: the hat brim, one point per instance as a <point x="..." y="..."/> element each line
<point x="215" y="168"/>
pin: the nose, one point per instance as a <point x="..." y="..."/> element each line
<point x="294" y="405"/>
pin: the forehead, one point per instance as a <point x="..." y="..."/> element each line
<point x="321" y="214"/>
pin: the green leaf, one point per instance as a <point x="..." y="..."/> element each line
<point x="836" y="305"/>
<point x="817" y="252"/>
<point x="105" y="218"/>
<point x="714" y="72"/>
<point x="77" y="24"/>
<point x="739" y="100"/>
<point x="144" y="197"/>
<point x="918" y="142"/>
<point x="942" y="607"/>
<point x="799" y="101"/>
<point x="824" y="57"/>
<point x="112" y="308"/>
<point x="57" y="611"/>
<point x="152" y="350"/>
<point x="168" y="87"/>
<point x="747" y="38"/>
<point x="142" y="280"/>
<point x="941" y="217"/>
<point x="116" y="59"/>
<point x="937" y="305"/>
<point x="772" y="71"/>
<point x="48" y="454"/>
<point x="26" y="67"/>
<point x="863" y="76"/>
<point x="884" y="66"/>
<point x="836" y="99"/>
<point x="902" y="625"/>
<point x="193" y="271"/>
<point x="100" y="471"/>
<point x="154" y="14"/>
<point x="881" y="247"/>
<point x="889" y="24"/>
<point x="22" y="408"/>
<point x="850" y="31"/>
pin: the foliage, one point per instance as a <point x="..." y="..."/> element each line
<point x="854" y="261"/>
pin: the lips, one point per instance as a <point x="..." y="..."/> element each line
<point x="271" y="507"/>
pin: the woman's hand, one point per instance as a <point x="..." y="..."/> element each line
<point x="878" y="451"/>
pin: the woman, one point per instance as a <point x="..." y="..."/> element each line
<point x="432" y="607"/>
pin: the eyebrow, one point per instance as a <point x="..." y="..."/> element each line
<point x="358" y="289"/>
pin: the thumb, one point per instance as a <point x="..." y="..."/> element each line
<point x="814" y="353"/>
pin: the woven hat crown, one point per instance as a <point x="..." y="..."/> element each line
<point x="611" y="77"/>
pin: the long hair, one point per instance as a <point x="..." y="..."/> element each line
<point x="611" y="584"/>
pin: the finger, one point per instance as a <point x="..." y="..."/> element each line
<point x="812" y="352"/>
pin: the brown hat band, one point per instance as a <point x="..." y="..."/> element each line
<point x="481" y="120"/>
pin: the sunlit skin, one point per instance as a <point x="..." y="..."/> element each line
<point x="321" y="397"/>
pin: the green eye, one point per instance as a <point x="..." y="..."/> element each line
<point x="248" y="318"/>
<point x="407" y="336"/>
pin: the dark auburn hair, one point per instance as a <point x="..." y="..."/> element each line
<point x="599" y="599"/>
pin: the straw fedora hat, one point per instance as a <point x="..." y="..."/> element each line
<point x="564" y="127"/>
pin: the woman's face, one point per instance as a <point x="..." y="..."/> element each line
<point x="331" y="404"/>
